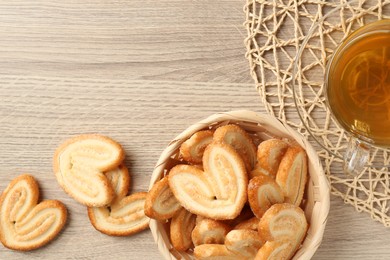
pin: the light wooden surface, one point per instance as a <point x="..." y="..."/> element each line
<point x="139" y="72"/>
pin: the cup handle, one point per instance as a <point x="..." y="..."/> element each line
<point x="356" y="156"/>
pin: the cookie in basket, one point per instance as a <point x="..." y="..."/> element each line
<point x="284" y="223"/>
<point x="209" y="231"/>
<point x="181" y="227"/>
<point x="160" y="202"/>
<point x="239" y="244"/>
<point x="218" y="192"/>
<point x="269" y="155"/>
<point x="263" y="192"/>
<point x="240" y="140"/>
<point x="243" y="242"/>
<point x="214" y="251"/>
<point x="192" y="149"/>
<point x="292" y="174"/>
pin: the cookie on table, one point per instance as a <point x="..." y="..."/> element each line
<point x="80" y="164"/>
<point x="26" y="224"/>
<point x="124" y="216"/>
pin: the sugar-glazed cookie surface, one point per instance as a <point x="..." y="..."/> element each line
<point x="26" y="224"/>
<point x="80" y="163"/>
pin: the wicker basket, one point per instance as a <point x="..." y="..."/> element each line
<point x="316" y="199"/>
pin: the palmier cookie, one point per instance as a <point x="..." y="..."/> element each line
<point x="275" y="250"/>
<point x="292" y="174"/>
<point x="263" y="192"/>
<point x="120" y="180"/>
<point x="269" y="154"/>
<point x="80" y="163"/>
<point x="283" y="222"/>
<point x="243" y="242"/>
<point x="181" y="228"/>
<point x="26" y="224"/>
<point x="220" y="191"/>
<point x="160" y="202"/>
<point x="209" y="231"/>
<point x="240" y="140"/>
<point x="192" y="149"/>
<point x="125" y="214"/>
<point x="213" y="251"/>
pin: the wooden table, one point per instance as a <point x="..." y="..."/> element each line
<point x="139" y="72"/>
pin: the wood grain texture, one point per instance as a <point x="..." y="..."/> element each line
<point x="163" y="40"/>
<point x="139" y="72"/>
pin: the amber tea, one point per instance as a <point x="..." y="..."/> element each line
<point x="358" y="86"/>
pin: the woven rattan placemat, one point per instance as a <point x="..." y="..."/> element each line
<point x="276" y="30"/>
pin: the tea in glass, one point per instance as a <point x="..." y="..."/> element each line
<point x="358" y="83"/>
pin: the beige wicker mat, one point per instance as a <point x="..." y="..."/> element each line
<point x="276" y="32"/>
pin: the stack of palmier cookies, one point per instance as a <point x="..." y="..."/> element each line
<point x="90" y="169"/>
<point x="234" y="197"/>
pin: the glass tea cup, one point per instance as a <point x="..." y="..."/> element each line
<point x="357" y="91"/>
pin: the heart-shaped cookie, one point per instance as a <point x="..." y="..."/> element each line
<point x="26" y="224"/>
<point x="283" y="222"/>
<point x="125" y="214"/>
<point x="292" y="174"/>
<point x="160" y="202"/>
<point x="120" y="180"/>
<point x="275" y="250"/>
<point x="269" y="155"/>
<point x="263" y="192"/>
<point x="240" y="140"/>
<point x="213" y="251"/>
<point x="238" y="244"/>
<point x="220" y="191"/>
<point x="192" y="149"/>
<point x="80" y="164"/>
<point x="209" y="231"/>
<point x="243" y="242"/>
<point x="181" y="228"/>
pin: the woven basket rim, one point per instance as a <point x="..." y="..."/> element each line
<point x="319" y="211"/>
